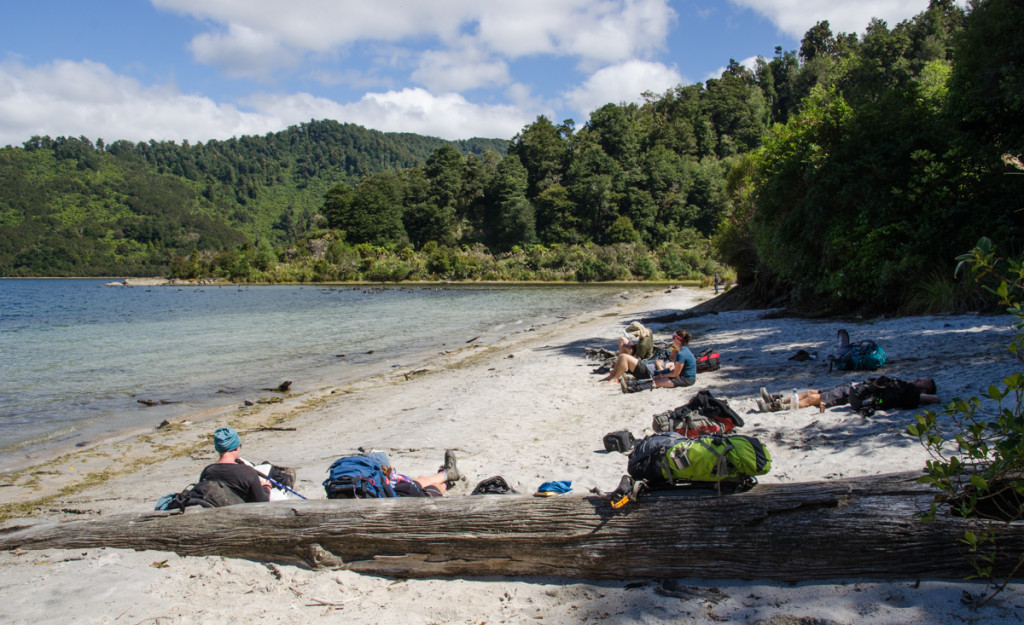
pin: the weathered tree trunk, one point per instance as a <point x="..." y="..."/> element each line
<point x="863" y="527"/>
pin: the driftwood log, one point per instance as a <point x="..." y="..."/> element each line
<point x="862" y="527"/>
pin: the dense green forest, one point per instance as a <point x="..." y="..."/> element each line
<point x="849" y="173"/>
<point x="73" y="207"/>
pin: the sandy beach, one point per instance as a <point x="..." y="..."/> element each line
<point x="528" y="408"/>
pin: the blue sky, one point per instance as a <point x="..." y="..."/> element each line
<point x="211" y="69"/>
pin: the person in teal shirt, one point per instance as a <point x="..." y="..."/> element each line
<point x="684" y="372"/>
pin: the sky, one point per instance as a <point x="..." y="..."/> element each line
<point x="196" y="70"/>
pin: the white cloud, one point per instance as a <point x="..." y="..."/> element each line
<point x="598" y="32"/>
<point x="449" y="116"/>
<point x="242" y="52"/>
<point x="621" y="83"/>
<point x="320" y="25"/>
<point x="796" y="17"/>
<point x="73" y="99"/>
<point x="457" y="70"/>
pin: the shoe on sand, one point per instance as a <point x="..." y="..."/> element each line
<point x="761" y="406"/>
<point x="450" y="468"/>
<point x="634" y="386"/>
<point x="765" y="395"/>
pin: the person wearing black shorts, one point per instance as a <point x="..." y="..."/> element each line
<point x="432" y="485"/>
<point x="912" y="395"/>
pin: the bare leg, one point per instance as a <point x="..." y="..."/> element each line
<point x="807" y="398"/>
<point x="436" y="480"/>
<point x="622" y="363"/>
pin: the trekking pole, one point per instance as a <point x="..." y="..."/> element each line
<point x="283" y="487"/>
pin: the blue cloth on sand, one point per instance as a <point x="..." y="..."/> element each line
<point x="561" y="486"/>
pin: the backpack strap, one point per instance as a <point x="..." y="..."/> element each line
<point x="722" y="464"/>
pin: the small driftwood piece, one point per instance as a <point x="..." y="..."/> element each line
<point x="852" y="528"/>
<point x="283" y="387"/>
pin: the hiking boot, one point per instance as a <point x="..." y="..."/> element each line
<point x="450" y="468"/>
<point x="765" y="395"/>
<point x="287" y="477"/>
<point x="633" y="385"/>
<point x="761" y="406"/>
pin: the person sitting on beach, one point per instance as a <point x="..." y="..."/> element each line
<point x="431" y="485"/>
<point x="681" y="366"/>
<point x="635" y="350"/>
<point x="239" y="477"/>
<point x="904" y="394"/>
<point x="637" y="341"/>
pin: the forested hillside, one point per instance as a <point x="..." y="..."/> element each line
<point x="69" y="206"/>
<point x="848" y="173"/>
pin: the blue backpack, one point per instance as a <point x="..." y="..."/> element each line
<point x="357" y="477"/>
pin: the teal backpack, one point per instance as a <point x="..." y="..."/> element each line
<point x="862" y="356"/>
<point x="669" y="459"/>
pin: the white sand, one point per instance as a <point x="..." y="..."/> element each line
<point x="531" y="410"/>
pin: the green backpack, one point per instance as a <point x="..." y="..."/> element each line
<point x="671" y="459"/>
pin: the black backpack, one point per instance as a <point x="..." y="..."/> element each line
<point x="881" y="393"/>
<point x="713" y="408"/>
<point x="646" y="459"/>
<point x="207" y="493"/>
<point x="622" y="440"/>
<point x="494" y="486"/>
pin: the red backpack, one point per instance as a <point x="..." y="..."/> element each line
<point x="708" y="360"/>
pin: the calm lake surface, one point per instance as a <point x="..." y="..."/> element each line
<point x="77" y="356"/>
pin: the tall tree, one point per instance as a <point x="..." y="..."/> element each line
<point x="512" y="221"/>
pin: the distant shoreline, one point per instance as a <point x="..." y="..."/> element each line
<point x="152" y="281"/>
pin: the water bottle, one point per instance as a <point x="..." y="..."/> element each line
<point x="794" y="401"/>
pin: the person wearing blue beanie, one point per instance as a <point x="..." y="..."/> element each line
<point x="238" y="476"/>
<point x="226" y="439"/>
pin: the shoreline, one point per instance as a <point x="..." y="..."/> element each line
<point x="530" y="409"/>
<point x="99" y="456"/>
<point x="132" y="409"/>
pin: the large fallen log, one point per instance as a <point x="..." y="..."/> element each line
<point x="863" y="527"/>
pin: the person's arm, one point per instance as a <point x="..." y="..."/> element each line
<point x="259" y="488"/>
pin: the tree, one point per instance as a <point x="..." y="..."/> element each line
<point x="370" y="213"/>
<point x="512" y="221"/>
<point x="543" y="151"/>
<point x="737" y="110"/>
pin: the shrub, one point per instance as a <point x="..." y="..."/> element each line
<point x="983" y="476"/>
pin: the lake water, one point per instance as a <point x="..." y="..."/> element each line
<point x="77" y="356"/>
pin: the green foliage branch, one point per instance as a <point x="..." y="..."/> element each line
<point x="977" y="464"/>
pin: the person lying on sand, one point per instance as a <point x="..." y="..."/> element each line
<point x="681" y="361"/>
<point x="903" y="394"/>
<point x="432" y="485"/>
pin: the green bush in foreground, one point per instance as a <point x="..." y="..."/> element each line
<point x="982" y="476"/>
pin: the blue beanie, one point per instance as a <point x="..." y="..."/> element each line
<point x="226" y="439"/>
